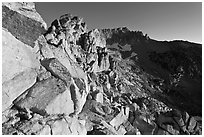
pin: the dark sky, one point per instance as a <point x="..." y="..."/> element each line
<point x="161" y="21"/>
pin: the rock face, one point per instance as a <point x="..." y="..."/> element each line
<point x="66" y="80"/>
<point x="37" y="97"/>
<point x="16" y="19"/>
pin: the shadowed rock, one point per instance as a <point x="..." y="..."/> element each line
<point x="23" y="28"/>
<point x="57" y="69"/>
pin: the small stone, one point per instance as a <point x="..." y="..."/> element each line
<point x="107" y="109"/>
<point x="120" y="118"/>
<point x="99" y="97"/>
<point x="192" y="124"/>
<point x="60" y="127"/>
<point x="121" y="130"/>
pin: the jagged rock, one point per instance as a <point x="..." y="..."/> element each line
<point x="60" y="127"/>
<point x="99" y="97"/>
<point x="7" y="129"/>
<point x="69" y="71"/>
<point x="144" y="127"/>
<point x="51" y="125"/>
<point x="107" y="109"/>
<point x="121" y="130"/>
<point x="109" y="127"/>
<point x="40" y="95"/>
<point x="17" y="57"/>
<point x="17" y="85"/>
<point x="57" y="69"/>
<point x="96" y="40"/>
<point x="97" y="108"/>
<point x="43" y="74"/>
<point x="94" y="44"/>
<point x="96" y="132"/>
<point x="130" y="129"/>
<point x="162" y="132"/>
<point x="74" y="27"/>
<point x="19" y="64"/>
<point x="113" y="77"/>
<point x="185" y="117"/>
<point x="102" y="64"/>
<point x="97" y="94"/>
<point x="21" y="26"/>
<point x="120" y="118"/>
<point x="181" y="123"/>
<point x="191" y="125"/>
<point x="78" y="95"/>
<point x="77" y="127"/>
<point x="62" y="104"/>
<point x="171" y="130"/>
<point x="29" y="128"/>
<point x="9" y="114"/>
<point x="26" y="9"/>
<point x="45" y="131"/>
<point x="43" y="49"/>
<point x="48" y="51"/>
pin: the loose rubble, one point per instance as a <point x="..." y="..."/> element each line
<point x="79" y="87"/>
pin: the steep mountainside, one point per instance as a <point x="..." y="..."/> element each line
<point x="67" y="80"/>
<point x="177" y="63"/>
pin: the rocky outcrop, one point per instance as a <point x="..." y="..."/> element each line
<point x="23" y="22"/>
<point x="65" y="81"/>
<point x="57" y="70"/>
<point x="39" y="95"/>
<point x="47" y="74"/>
<point x="19" y="62"/>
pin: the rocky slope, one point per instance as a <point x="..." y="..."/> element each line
<point x="68" y="80"/>
<point x="176" y="64"/>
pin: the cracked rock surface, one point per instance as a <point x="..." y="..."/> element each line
<point x="68" y="80"/>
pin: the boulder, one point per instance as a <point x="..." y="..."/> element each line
<point x="144" y="127"/>
<point x="120" y="118"/>
<point x="171" y="130"/>
<point x="38" y="97"/>
<point x="43" y="49"/>
<point x="45" y="131"/>
<point x="109" y="127"/>
<point x="98" y="96"/>
<point x="192" y="124"/>
<point x="78" y="95"/>
<point x="57" y="69"/>
<point x="43" y="74"/>
<point x="16" y="86"/>
<point x="121" y="130"/>
<point x="17" y="57"/>
<point x="77" y="127"/>
<point x="18" y="21"/>
<point x="31" y="127"/>
<point x="62" y="104"/>
<point x="98" y="108"/>
<point x="19" y="66"/>
<point x="107" y="109"/>
<point x="97" y="39"/>
<point x="25" y="8"/>
<point x="130" y="129"/>
<point x="48" y="51"/>
<point x="185" y="117"/>
<point x="60" y="127"/>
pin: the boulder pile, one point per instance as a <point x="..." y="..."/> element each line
<point x="65" y="81"/>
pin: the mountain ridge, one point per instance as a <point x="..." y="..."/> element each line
<point x="68" y="80"/>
